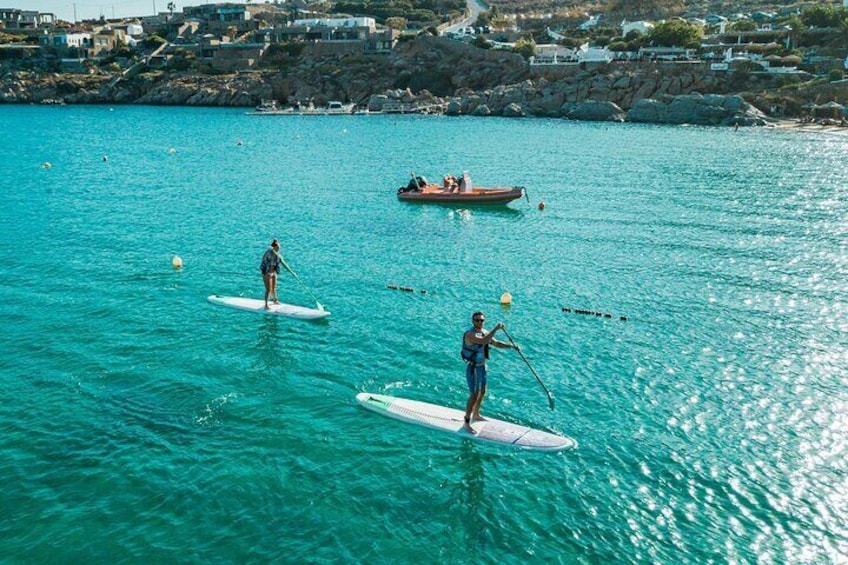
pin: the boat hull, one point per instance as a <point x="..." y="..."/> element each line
<point x="476" y="196"/>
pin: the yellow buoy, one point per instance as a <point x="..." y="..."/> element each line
<point x="46" y="165"/>
<point x="506" y="299"/>
<point x="177" y="262"/>
<point x="172" y="150"/>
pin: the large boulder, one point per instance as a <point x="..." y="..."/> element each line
<point x="648" y="110"/>
<point x="376" y="102"/>
<point x="513" y="110"/>
<point x="710" y="110"/>
<point x="595" y="111"/>
<point x="482" y="110"/>
<point x="454" y="108"/>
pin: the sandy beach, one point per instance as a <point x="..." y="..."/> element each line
<point x="809" y="127"/>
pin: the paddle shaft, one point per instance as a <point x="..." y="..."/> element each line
<point x="532" y="370"/>
<point x="297" y="278"/>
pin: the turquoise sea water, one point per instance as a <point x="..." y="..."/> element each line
<point x="142" y="424"/>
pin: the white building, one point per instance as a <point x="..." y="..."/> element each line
<point x="587" y="54"/>
<point x="559" y="55"/>
<point x="553" y="54"/>
<point x="370" y="23"/>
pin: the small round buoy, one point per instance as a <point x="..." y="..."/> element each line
<point x="506" y="299"/>
<point x="177" y="262"/>
<point x="239" y="143"/>
<point x="46" y="165"/>
<point x="172" y="150"/>
<point x="105" y="158"/>
<point x="541" y="205"/>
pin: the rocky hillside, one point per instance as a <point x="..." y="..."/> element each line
<point x="465" y="79"/>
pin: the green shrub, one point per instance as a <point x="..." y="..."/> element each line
<point x="676" y="34"/>
<point x="525" y="48"/>
<point x="153" y="41"/>
<point x="481" y="42"/>
<point x="835" y="75"/>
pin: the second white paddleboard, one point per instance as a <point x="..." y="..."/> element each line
<point x="258" y="306"/>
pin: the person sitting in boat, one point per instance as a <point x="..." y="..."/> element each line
<point x="415" y="185"/>
<point x="450" y="183"/>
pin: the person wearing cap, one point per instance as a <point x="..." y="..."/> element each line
<point x="475" y="353"/>
<point x="270" y="267"/>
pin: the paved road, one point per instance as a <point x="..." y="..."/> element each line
<point x="474" y="8"/>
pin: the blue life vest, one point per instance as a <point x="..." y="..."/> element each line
<point x="474" y="354"/>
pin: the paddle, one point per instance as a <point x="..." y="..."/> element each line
<point x="550" y="396"/>
<point x="306" y="288"/>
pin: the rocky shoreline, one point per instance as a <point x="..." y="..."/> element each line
<point x="427" y="71"/>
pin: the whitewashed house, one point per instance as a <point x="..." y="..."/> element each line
<point x="553" y="54"/>
<point x="587" y="54"/>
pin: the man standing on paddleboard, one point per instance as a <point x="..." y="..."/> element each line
<point x="270" y="267"/>
<point x="475" y="352"/>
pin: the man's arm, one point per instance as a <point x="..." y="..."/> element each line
<point x="486" y="339"/>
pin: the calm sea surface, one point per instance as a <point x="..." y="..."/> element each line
<point x="140" y="423"/>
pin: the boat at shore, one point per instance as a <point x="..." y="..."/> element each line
<point x="457" y="191"/>
<point x="333" y="107"/>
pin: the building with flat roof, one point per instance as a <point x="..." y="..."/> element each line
<point x="360" y="31"/>
<point x="12" y="18"/>
<point x="224" y="12"/>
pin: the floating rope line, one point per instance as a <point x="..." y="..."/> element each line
<point x="592" y="313"/>
<point x="404" y="288"/>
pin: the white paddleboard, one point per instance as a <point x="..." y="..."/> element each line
<point x="450" y="420"/>
<point x="258" y="306"/>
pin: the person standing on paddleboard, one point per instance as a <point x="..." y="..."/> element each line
<point x="270" y="267"/>
<point x="475" y="352"/>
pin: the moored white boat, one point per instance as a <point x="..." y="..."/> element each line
<point x="333" y="107"/>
